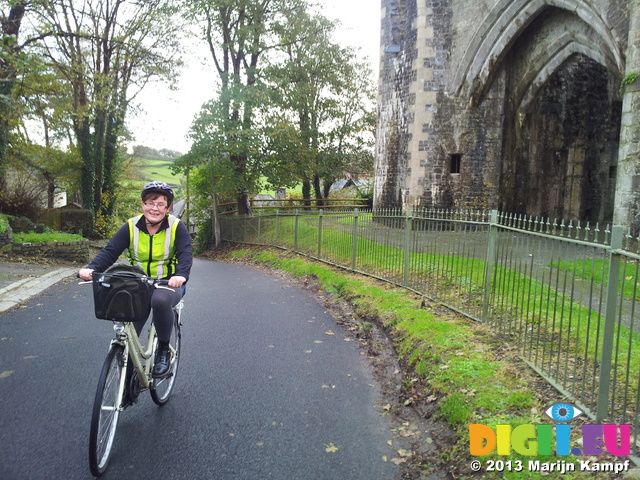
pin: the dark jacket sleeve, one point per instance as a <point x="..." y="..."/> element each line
<point x="184" y="251"/>
<point x="110" y="254"/>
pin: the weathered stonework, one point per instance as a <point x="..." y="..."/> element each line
<point x="628" y="185"/>
<point x="68" y="251"/>
<point x="509" y="104"/>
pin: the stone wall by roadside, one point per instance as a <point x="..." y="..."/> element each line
<point x="67" y="251"/>
<point x="6" y="238"/>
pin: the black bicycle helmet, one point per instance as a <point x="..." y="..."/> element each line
<point x="158" y="187"/>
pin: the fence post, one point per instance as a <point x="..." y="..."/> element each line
<point x="491" y="258"/>
<point x="408" y="226"/>
<point x="259" y="226"/>
<point x="354" y="246"/>
<point x="617" y="233"/>
<point x="277" y="227"/>
<point x="320" y="234"/>
<point x="295" y="236"/>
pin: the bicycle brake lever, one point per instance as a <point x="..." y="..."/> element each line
<point x="166" y="288"/>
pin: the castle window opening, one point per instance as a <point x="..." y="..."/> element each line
<point x="455" y="159"/>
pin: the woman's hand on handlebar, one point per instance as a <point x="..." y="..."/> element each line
<point x="85" y="273"/>
<point x="176" y="281"/>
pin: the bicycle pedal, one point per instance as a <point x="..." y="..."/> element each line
<point x="169" y="374"/>
<point x="127" y="403"/>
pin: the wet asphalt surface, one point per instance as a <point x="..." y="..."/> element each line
<point x="269" y="387"/>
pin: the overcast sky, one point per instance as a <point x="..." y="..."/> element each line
<point x="167" y="116"/>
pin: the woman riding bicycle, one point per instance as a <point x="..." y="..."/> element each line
<point x="161" y="245"/>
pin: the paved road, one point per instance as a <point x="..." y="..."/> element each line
<point x="262" y="392"/>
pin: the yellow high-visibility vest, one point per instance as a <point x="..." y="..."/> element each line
<point x="155" y="254"/>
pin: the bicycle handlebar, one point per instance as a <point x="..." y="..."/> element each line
<point x="155" y="282"/>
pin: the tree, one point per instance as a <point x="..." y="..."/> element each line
<point x="331" y="95"/>
<point x="239" y="34"/>
<point x="44" y="105"/>
<point x="9" y="66"/>
<point x="107" y="51"/>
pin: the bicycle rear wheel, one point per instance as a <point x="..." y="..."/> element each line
<point x="162" y="387"/>
<point x="104" y="419"/>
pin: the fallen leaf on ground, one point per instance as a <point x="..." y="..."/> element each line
<point x="331" y="448"/>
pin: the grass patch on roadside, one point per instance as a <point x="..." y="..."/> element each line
<point x="32" y="237"/>
<point x="458" y="364"/>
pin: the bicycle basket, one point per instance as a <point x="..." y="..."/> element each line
<point x="122" y="293"/>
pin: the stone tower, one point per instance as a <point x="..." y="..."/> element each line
<point x="509" y="104"/>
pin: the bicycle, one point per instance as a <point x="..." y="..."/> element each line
<point x="116" y="379"/>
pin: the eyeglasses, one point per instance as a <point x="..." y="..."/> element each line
<point x="159" y="206"/>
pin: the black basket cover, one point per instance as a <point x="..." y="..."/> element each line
<point x="122" y="293"/>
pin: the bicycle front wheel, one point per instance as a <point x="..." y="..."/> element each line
<point x="162" y="387"/>
<point x="104" y="419"/>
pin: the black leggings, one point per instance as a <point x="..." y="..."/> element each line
<point x="162" y="303"/>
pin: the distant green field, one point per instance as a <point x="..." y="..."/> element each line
<point x="158" y="170"/>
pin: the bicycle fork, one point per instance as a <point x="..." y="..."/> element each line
<point x="124" y="362"/>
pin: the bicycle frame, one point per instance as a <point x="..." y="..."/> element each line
<point x="127" y="336"/>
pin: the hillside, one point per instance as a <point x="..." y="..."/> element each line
<point x="156" y="169"/>
<point x="154" y="164"/>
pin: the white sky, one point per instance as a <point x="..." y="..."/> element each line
<point x="167" y="116"/>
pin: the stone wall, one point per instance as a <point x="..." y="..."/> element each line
<point x="508" y="104"/>
<point x="69" y="220"/>
<point x="67" y="251"/>
<point x="6" y="238"/>
<point x="628" y="188"/>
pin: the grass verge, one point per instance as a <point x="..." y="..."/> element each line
<point x="455" y="371"/>
<point x="32" y="237"/>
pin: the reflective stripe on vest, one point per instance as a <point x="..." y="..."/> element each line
<point x="155" y="254"/>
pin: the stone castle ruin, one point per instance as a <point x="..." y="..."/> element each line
<point x="513" y="105"/>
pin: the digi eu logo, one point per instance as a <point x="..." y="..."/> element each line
<point x="530" y="440"/>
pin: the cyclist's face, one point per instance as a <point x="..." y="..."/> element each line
<point x="155" y="208"/>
